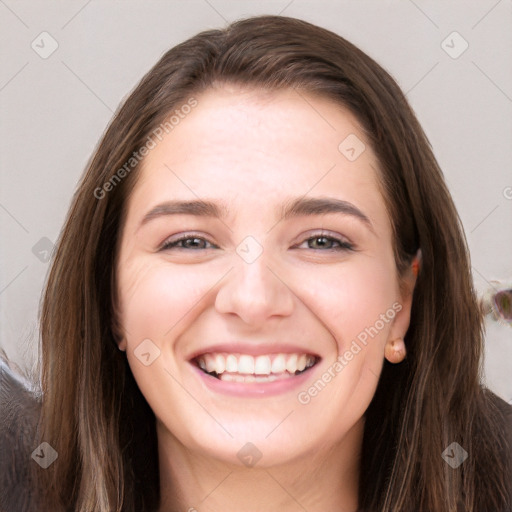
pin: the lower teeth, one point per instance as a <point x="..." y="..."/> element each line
<point x="231" y="377"/>
<point x="237" y="377"/>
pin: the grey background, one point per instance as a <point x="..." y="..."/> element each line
<point x="54" y="110"/>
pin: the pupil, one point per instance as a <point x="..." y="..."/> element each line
<point x="324" y="241"/>
<point x="192" y="242"/>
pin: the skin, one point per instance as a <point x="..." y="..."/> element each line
<point x="255" y="150"/>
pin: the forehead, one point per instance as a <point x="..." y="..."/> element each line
<point x="244" y="144"/>
<point x="231" y="118"/>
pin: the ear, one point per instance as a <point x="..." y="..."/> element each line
<point x="403" y="317"/>
<point x="118" y="335"/>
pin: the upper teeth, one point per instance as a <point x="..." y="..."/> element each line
<point x="259" y="365"/>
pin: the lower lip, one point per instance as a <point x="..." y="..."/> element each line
<point x="253" y="389"/>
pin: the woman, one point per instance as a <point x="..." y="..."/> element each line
<point x="317" y="345"/>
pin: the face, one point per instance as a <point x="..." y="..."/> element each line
<point x="261" y="317"/>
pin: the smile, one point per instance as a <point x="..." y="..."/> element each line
<point x="247" y="368"/>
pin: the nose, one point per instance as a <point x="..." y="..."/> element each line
<point x="255" y="292"/>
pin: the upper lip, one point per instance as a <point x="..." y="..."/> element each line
<point x="252" y="349"/>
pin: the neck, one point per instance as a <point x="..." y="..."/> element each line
<point x="326" y="480"/>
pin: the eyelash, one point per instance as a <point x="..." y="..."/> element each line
<point x="342" y="244"/>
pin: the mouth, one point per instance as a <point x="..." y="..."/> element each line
<point x="246" y="368"/>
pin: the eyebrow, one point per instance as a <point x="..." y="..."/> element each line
<point x="296" y="207"/>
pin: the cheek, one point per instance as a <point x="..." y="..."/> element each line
<point x="351" y="297"/>
<point x="355" y="303"/>
<point x="155" y="297"/>
<point x="358" y="308"/>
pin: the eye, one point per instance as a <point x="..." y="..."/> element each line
<point x="186" y="242"/>
<point x="322" y="241"/>
<point x="317" y="242"/>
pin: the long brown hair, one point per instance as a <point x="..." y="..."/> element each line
<point x="93" y="413"/>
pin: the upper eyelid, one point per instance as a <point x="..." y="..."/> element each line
<point x="304" y="238"/>
<point x="185" y="236"/>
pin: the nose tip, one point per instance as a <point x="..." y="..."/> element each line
<point x="255" y="292"/>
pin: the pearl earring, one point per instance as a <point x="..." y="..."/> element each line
<point x="395" y="351"/>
